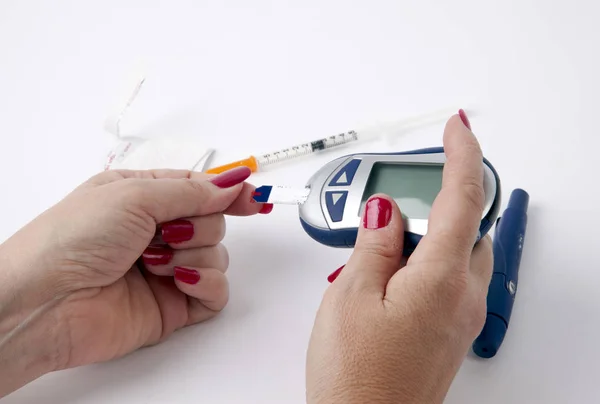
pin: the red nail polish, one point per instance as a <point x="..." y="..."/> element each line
<point x="177" y="231"/>
<point x="157" y="255"/>
<point x="378" y="213"/>
<point x="231" y="177"/>
<point x="335" y="274"/>
<point x="464" y="118"/>
<point x="186" y="275"/>
<point x="267" y="208"/>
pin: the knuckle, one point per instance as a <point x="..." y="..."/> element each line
<point x="217" y="228"/>
<point x="474" y="193"/>
<point x="471" y="147"/>
<point x="106" y="177"/>
<point x="222" y="223"/>
<point x="214" y="298"/>
<point x="467" y="150"/>
<point x="468" y="147"/>
<point x="199" y="188"/>
<point x="224" y="300"/>
<point x="457" y="285"/>
<point x="198" y="311"/>
<point x="103" y="177"/>
<point x="217" y="306"/>
<point x="224" y="256"/>
<point x="133" y="198"/>
<point x="131" y="191"/>
<point x="455" y="253"/>
<point x="453" y="291"/>
<point x="221" y="290"/>
<point x="378" y="248"/>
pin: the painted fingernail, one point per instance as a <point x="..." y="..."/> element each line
<point x="335" y="274"/>
<point x="157" y="255"/>
<point x="378" y="213"/>
<point x="186" y="275"/>
<point x="267" y="208"/>
<point x="464" y="118"/>
<point x="177" y="231"/>
<point x="231" y="177"/>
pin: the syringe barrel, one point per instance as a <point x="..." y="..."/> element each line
<point x="307" y="148"/>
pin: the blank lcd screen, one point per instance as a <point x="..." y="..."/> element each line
<point x="414" y="187"/>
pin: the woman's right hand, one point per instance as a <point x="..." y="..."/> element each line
<point x="392" y="331"/>
<point x="121" y="263"/>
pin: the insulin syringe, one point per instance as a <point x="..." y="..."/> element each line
<point x="257" y="163"/>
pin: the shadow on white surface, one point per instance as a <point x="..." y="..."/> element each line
<point x="544" y="354"/>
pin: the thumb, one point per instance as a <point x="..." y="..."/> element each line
<point x="378" y="250"/>
<point x="166" y="199"/>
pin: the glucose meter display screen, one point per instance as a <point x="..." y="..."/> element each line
<point x="414" y="187"/>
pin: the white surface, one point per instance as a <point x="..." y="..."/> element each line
<point x="260" y="75"/>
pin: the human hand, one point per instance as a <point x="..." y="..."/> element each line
<point x="391" y="330"/>
<point x="82" y="282"/>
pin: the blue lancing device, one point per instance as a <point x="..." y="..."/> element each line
<point x="332" y="203"/>
<point x="508" y="248"/>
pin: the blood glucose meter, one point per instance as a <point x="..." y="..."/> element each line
<point x="332" y="211"/>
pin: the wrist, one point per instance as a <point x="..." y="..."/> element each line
<point x="30" y="328"/>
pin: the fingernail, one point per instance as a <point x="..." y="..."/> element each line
<point x="335" y="274"/>
<point x="157" y="239"/>
<point x="186" y="275"/>
<point x="267" y="208"/>
<point x="378" y="213"/>
<point x="463" y="117"/>
<point x="231" y="177"/>
<point x="177" y="231"/>
<point x="157" y="255"/>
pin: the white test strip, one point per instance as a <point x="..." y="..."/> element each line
<point x="278" y="194"/>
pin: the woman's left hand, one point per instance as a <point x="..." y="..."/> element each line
<point x="120" y="263"/>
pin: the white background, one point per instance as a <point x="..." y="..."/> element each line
<point x="250" y="76"/>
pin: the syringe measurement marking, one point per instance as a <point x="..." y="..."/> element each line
<point x="307" y="148"/>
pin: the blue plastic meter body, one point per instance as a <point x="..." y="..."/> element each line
<point x="338" y="191"/>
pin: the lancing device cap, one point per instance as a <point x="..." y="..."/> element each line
<point x="519" y="199"/>
<point x="491" y="337"/>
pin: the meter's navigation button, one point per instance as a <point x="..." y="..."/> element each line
<point x="346" y="174"/>
<point x="335" y="201"/>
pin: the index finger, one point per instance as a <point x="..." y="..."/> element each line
<point x="456" y="213"/>
<point x="243" y="205"/>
